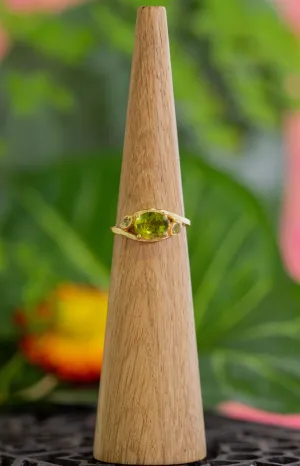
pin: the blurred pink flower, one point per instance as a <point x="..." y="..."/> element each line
<point x="242" y="412"/>
<point x="29" y="6"/>
<point x="290" y="11"/>
<point x="4" y="43"/>
<point x="290" y="218"/>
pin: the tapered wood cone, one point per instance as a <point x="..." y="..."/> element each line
<point x="150" y="409"/>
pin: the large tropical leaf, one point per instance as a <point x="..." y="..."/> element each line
<point x="246" y="309"/>
<point x="56" y="228"/>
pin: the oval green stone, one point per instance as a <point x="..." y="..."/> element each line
<point x="151" y="225"/>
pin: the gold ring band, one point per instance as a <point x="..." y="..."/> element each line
<point x="151" y="225"/>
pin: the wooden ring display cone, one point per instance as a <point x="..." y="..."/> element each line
<point x="150" y="408"/>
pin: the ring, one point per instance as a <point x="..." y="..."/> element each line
<point x="151" y="225"/>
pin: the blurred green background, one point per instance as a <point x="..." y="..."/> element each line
<point x="63" y="93"/>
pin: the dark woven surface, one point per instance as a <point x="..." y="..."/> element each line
<point x="66" y="439"/>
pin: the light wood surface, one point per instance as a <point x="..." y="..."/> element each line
<point x="150" y="409"/>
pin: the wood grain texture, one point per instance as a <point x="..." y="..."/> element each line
<point x="150" y="409"/>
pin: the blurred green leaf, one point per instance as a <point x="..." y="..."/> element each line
<point x="66" y="239"/>
<point x="57" y="38"/>
<point x="40" y="90"/>
<point x="21" y="381"/>
<point x="3" y="147"/>
<point x="117" y="31"/>
<point x="2" y="256"/>
<point x="52" y="35"/>
<point x="8" y="372"/>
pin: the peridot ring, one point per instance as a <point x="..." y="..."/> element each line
<point x="151" y="225"/>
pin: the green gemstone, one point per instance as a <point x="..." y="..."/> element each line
<point x="151" y="225"/>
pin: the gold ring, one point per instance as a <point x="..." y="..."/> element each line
<point x="151" y="225"/>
